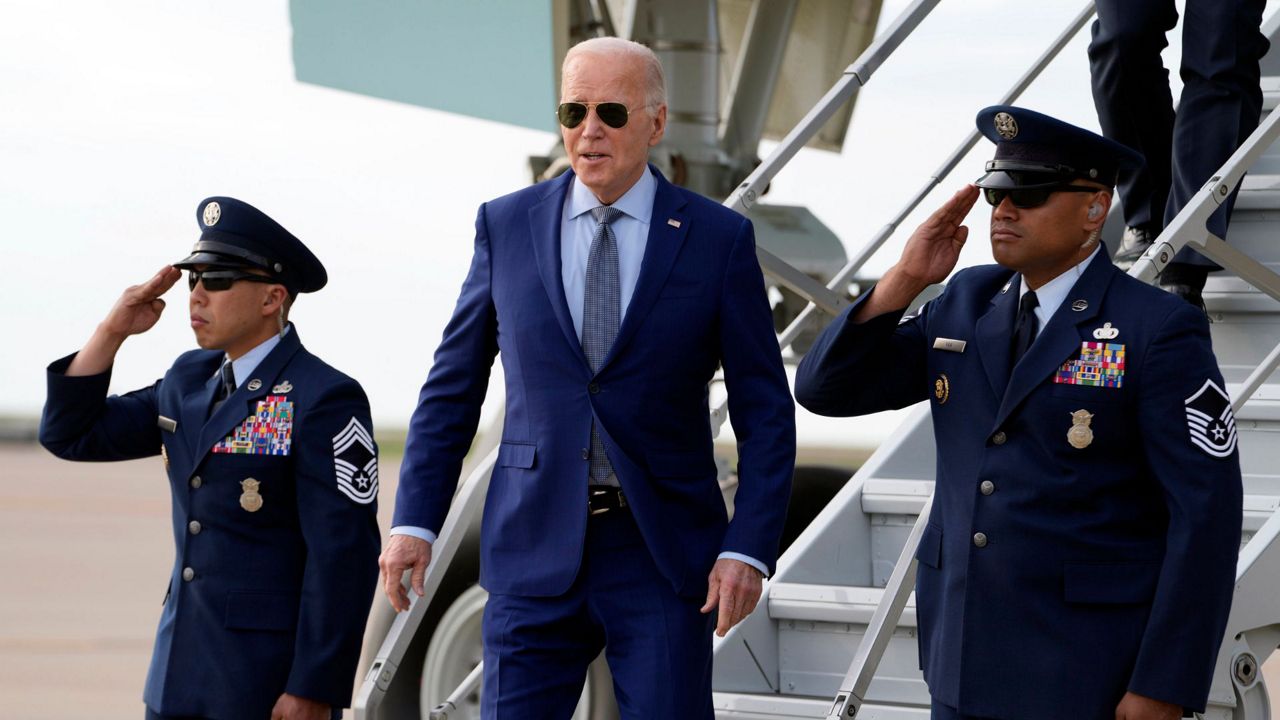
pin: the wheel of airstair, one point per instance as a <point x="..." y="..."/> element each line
<point x="456" y="648"/>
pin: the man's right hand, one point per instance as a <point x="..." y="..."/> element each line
<point x="135" y="312"/>
<point x="401" y="553"/>
<point x="931" y="253"/>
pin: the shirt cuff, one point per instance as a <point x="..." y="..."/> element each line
<point x="764" y="570"/>
<point x="411" y="531"/>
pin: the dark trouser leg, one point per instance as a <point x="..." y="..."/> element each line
<point x="1131" y="93"/>
<point x="657" y="643"/>
<point x="1221" y="99"/>
<point x="536" y="654"/>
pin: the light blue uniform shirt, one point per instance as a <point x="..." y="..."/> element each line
<point x="1052" y="294"/>
<point x="244" y="365"/>
<point x="577" y="229"/>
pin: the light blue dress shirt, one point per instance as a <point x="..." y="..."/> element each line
<point x="1052" y="294"/>
<point x="577" y="229"/>
<point x="244" y="365"/>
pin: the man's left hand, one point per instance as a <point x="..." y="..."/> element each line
<point x="1137" y="707"/>
<point x="292" y="707"/>
<point x="734" y="587"/>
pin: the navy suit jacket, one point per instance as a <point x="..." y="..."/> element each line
<point x="699" y="303"/>
<point x="278" y="596"/>
<point x="1107" y="567"/>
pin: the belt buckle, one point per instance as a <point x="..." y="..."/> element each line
<point x="600" y="510"/>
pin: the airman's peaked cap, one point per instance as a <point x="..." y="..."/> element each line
<point x="234" y="233"/>
<point x="1035" y="150"/>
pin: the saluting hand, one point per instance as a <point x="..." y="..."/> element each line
<point x="135" y="312"/>
<point x="931" y="253"/>
<point x="734" y="587"/>
<point x="140" y="306"/>
<point x="401" y="553"/>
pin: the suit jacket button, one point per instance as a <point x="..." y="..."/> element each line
<point x="196" y="482"/>
<point x="999" y="438"/>
<point x="980" y="539"/>
<point x="987" y="487"/>
<point x="194" y="527"/>
<point x="586" y="454"/>
<point x="188" y="574"/>
<point x="593" y="388"/>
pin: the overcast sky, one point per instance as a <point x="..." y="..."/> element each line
<point x="117" y="118"/>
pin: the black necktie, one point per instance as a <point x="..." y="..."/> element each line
<point x="1024" y="330"/>
<point x="226" y="386"/>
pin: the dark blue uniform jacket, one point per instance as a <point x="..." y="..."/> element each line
<point x="1102" y="568"/>
<point x="259" y="602"/>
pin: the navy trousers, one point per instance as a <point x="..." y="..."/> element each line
<point x="657" y="644"/>
<point x="1221" y="99"/>
<point x="942" y="711"/>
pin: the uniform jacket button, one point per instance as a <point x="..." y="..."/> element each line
<point x="999" y="438"/>
<point x="188" y="574"/>
<point x="586" y="454"/>
<point x="593" y="388"/>
<point x="980" y="539"/>
<point x="196" y="482"/>
<point x="194" y="527"/>
<point x="987" y="487"/>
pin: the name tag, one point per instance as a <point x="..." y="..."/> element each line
<point x="949" y="345"/>
<point x="167" y="424"/>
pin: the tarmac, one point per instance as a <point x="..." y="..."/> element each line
<point x="85" y="553"/>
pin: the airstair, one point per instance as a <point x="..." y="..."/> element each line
<point x="835" y="635"/>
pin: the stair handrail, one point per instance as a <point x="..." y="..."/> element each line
<point x="1189" y="229"/>
<point x="851" y="81"/>
<point x="856" y="75"/>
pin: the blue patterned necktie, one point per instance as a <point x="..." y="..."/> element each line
<point x="601" y="317"/>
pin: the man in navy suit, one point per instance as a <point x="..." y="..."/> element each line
<point x="1220" y="106"/>
<point x="613" y="297"/>
<point x="1080" y="555"/>
<point x="272" y="470"/>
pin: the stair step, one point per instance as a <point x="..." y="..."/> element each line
<point x="831" y="604"/>
<point x="737" y="706"/>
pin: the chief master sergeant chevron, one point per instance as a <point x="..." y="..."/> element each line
<point x="272" y="471"/>
<point x="1079" y="559"/>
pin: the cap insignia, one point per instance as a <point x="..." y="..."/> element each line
<point x="212" y="213"/>
<point x="1006" y="126"/>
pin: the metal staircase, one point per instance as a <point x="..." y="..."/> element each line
<point x="839" y="621"/>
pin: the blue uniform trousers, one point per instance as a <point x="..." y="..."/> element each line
<point x="1220" y="106"/>
<point x="943" y="711"/>
<point x="657" y="643"/>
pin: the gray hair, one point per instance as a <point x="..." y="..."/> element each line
<point x="655" y="83"/>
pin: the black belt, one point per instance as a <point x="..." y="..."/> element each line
<point x="603" y="498"/>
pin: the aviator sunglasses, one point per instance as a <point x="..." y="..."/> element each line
<point x="613" y="114"/>
<point x="219" y="280"/>
<point x="1026" y="198"/>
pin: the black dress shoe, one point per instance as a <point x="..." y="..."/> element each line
<point x="1133" y="244"/>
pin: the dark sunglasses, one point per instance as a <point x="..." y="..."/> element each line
<point x="613" y="114"/>
<point x="219" y="280"/>
<point x="1026" y="198"/>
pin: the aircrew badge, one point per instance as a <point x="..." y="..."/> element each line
<point x="268" y="431"/>
<point x="283" y="388"/>
<point x="942" y="389"/>
<point x="1210" y="420"/>
<point x="1080" y="436"/>
<point x="1106" y="332"/>
<point x="1099" y="365"/>
<point x="250" y="499"/>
